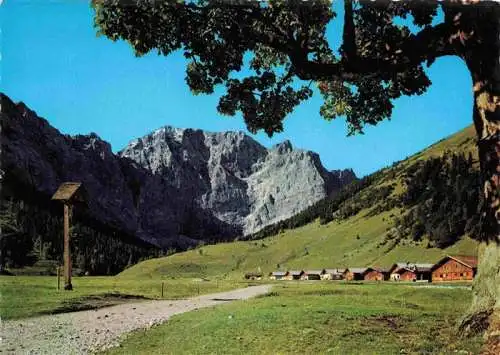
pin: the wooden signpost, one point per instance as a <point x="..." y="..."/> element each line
<point x="68" y="193"/>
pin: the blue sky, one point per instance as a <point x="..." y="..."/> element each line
<point x="53" y="61"/>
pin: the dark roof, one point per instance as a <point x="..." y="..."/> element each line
<point x="358" y="270"/>
<point x="413" y="267"/>
<point x="424" y="266"/>
<point x="279" y="273"/>
<point x="467" y="260"/>
<point x="381" y="269"/>
<point x="403" y="269"/>
<point x="66" y="191"/>
<point x="334" y="271"/>
<point x="395" y="267"/>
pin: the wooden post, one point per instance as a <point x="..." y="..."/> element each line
<point x="162" y="289"/>
<point x="67" y="252"/>
<point x="68" y="193"/>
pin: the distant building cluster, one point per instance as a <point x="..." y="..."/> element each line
<point x="449" y="268"/>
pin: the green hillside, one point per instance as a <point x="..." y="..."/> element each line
<point x="362" y="232"/>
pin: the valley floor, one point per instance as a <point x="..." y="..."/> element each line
<point x="290" y="317"/>
<point x="87" y="331"/>
<point x="318" y="318"/>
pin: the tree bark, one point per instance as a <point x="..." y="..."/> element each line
<point x="484" y="313"/>
<point x="481" y="44"/>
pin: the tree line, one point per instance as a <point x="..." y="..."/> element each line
<point x="443" y="199"/>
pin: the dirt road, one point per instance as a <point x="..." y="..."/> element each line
<point x="87" y="331"/>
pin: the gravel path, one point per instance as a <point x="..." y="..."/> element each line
<point x="87" y="331"/>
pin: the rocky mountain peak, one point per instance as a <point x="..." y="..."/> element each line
<point x="283" y="147"/>
<point x="92" y="142"/>
<point x="172" y="187"/>
<point x="234" y="176"/>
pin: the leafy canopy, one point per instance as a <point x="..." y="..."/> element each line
<point x="379" y="60"/>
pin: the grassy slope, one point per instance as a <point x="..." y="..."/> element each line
<point x="333" y="245"/>
<point x="357" y="241"/>
<point x="318" y="318"/>
<point x="463" y="141"/>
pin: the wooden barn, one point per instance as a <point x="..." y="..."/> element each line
<point x="312" y="275"/>
<point x="333" y="274"/>
<point x="393" y="274"/>
<point x="411" y="272"/>
<point x="455" y="268"/>
<point x="384" y="271"/>
<point x="294" y="275"/>
<point x="355" y="273"/>
<point x="407" y="274"/>
<point x="376" y="274"/>
<point x="278" y="275"/>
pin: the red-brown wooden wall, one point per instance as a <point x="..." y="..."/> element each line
<point x="407" y="276"/>
<point x="374" y="275"/>
<point x="451" y="270"/>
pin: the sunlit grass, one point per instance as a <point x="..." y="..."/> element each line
<point x="25" y="296"/>
<point x="317" y="318"/>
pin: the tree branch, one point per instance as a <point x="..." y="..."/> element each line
<point x="258" y="25"/>
<point x="349" y="34"/>
<point x="428" y="44"/>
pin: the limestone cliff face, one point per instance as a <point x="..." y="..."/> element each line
<point x="172" y="187"/>
<point x="241" y="182"/>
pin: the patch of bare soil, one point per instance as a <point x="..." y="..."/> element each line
<point x="95" y="302"/>
<point x="392" y="322"/>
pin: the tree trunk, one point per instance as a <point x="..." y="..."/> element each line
<point x="2" y="260"/>
<point x="480" y="43"/>
<point x="484" y="313"/>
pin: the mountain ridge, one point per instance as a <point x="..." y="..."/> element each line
<point x="211" y="160"/>
<point x="191" y="186"/>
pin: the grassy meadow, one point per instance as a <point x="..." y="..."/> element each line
<point x="318" y="317"/>
<point x="26" y="296"/>
<point x="304" y="317"/>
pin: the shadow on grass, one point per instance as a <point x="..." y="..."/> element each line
<point x="91" y="302"/>
<point x="225" y="299"/>
<point x="269" y="294"/>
